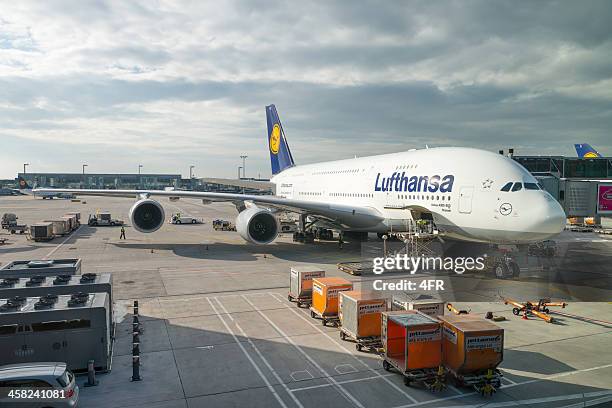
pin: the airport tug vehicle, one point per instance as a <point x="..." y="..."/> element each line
<point x="103" y="219"/>
<point x="179" y="218"/>
<point x="538" y="308"/>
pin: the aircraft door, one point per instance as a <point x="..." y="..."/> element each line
<point x="465" y="199"/>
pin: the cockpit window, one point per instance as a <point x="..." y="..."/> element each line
<point x="507" y="187"/>
<point x="517" y="187"/>
<point x="531" y="186"/>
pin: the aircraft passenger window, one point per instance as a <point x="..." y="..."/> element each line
<point x="507" y="187"/>
<point x="517" y="187"/>
<point x="531" y="186"/>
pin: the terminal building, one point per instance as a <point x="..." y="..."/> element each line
<point x="102" y="181"/>
<point x="583" y="186"/>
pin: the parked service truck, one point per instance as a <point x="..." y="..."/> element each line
<point x="179" y="218"/>
<point x="103" y="219"/>
<point x="9" y="223"/>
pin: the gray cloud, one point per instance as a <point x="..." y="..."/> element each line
<point x="365" y="77"/>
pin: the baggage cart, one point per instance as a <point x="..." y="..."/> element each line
<point x="423" y="303"/>
<point x="300" y="284"/>
<point x="325" y="298"/>
<point x="41" y="231"/>
<point x="472" y="349"/>
<point x="360" y="318"/>
<point x="412" y="344"/>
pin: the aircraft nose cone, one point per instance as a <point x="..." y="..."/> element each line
<point x="549" y="219"/>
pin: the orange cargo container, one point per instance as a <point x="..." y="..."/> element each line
<point x="412" y="341"/>
<point x="359" y="313"/>
<point x="325" y="295"/>
<point x="471" y="344"/>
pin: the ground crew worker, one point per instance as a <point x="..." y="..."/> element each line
<point x="122" y="236"/>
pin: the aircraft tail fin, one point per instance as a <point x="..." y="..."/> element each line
<point x="585" y="150"/>
<point x="280" y="155"/>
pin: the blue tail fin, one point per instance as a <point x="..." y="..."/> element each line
<point x="280" y="155"/>
<point x="585" y="150"/>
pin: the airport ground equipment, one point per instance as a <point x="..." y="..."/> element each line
<point x="9" y="223"/>
<point x="71" y="328"/>
<point x="179" y="218"/>
<point x="41" y="231"/>
<point x="300" y="284"/>
<point x="539" y="308"/>
<point x="223" y="225"/>
<point x="305" y="237"/>
<point x="40" y="285"/>
<point x="423" y="303"/>
<point x="412" y="343"/>
<point x="325" y="298"/>
<point x="3" y="241"/>
<point x="451" y="308"/>
<point x="360" y="320"/>
<point x="288" y="227"/>
<point x="103" y="219"/>
<point x="48" y="267"/>
<point x="355" y="268"/>
<point x="472" y="349"/>
<point x="77" y="215"/>
<point x="61" y="226"/>
<point x="72" y="221"/>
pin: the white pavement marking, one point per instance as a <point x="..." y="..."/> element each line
<point x="303" y="375"/>
<point x="455" y="389"/>
<point x="313" y="387"/>
<point x="263" y="377"/>
<point x="388" y="381"/>
<point x="551" y="377"/>
<point x="74" y="233"/>
<point x="605" y="396"/>
<point x="265" y="361"/>
<point x="343" y="390"/>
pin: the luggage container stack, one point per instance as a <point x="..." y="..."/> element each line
<point x="425" y="304"/>
<point x="360" y="318"/>
<point x="325" y="298"/>
<point x="77" y="216"/>
<point x="72" y="221"/>
<point x="472" y="350"/>
<point x="61" y="226"/>
<point x="300" y="284"/>
<point x="412" y="344"/>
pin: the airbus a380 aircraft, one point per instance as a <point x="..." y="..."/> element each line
<point x="471" y="195"/>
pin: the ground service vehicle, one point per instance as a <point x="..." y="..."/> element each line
<point x="103" y="219"/>
<point x="223" y="225"/>
<point x="179" y="218"/>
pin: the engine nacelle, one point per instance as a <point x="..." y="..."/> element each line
<point x="257" y="225"/>
<point x="147" y="215"/>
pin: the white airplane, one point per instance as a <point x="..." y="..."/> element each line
<point x="470" y="194"/>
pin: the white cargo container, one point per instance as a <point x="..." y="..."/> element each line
<point x="300" y="283"/>
<point x="61" y="226"/>
<point x="425" y="304"/>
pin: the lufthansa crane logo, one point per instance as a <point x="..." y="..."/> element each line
<point x="505" y="209"/>
<point x="275" y="137"/>
<point x="590" y="155"/>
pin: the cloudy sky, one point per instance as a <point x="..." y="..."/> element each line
<point x="167" y="84"/>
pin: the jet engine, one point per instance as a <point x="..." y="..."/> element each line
<point x="257" y="225"/>
<point x="147" y="215"/>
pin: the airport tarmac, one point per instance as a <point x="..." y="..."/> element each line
<point x="219" y="331"/>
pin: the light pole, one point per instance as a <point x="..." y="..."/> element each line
<point x="139" y="167"/>
<point x="191" y="171"/>
<point x="24" y="167"/>
<point x="243" y="157"/>
<point x="84" y="165"/>
<point x="239" y="167"/>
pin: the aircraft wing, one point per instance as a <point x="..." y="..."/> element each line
<point x="344" y="215"/>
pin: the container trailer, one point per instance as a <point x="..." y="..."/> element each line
<point x="325" y="298"/>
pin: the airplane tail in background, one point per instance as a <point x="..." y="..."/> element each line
<point x="584" y="150"/>
<point x="280" y="155"/>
